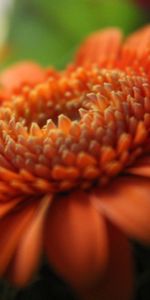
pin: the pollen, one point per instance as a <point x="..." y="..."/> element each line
<point x="79" y="130"/>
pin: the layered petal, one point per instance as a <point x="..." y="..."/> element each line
<point x="117" y="282"/>
<point x="29" y="250"/>
<point x="126" y="201"/>
<point x="12" y="227"/>
<point x="7" y="206"/>
<point x="141" y="167"/>
<point x="21" y="73"/>
<point x="76" y="240"/>
<point x="100" y="48"/>
<point x="135" y="53"/>
<point x="139" y="41"/>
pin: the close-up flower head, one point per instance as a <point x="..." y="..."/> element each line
<point x="75" y="166"/>
<point x="74" y="150"/>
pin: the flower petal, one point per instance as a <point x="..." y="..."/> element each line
<point x="7" y="206"/>
<point x="76" y="240"/>
<point x="30" y="247"/>
<point x="127" y="203"/>
<point x="139" y="41"/>
<point x="117" y="282"/>
<point x="21" y="73"/>
<point x="11" y="228"/>
<point x="141" y="168"/>
<point x="100" y="48"/>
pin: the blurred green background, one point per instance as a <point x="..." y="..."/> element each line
<point x="49" y="31"/>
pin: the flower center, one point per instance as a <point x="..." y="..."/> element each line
<point x="81" y="129"/>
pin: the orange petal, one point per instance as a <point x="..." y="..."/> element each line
<point x="117" y="282"/>
<point x="7" y="206"/>
<point x="139" y="41"/>
<point x="28" y="254"/>
<point x="100" y="48"/>
<point x="126" y="202"/>
<point x="11" y="230"/>
<point x="21" y="73"/>
<point x="141" y="168"/>
<point x="75" y="240"/>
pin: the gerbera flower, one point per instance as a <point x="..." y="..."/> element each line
<point x="75" y="168"/>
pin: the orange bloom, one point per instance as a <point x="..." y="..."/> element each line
<point x="75" y="167"/>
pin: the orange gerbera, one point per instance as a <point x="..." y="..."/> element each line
<point x="75" y="168"/>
